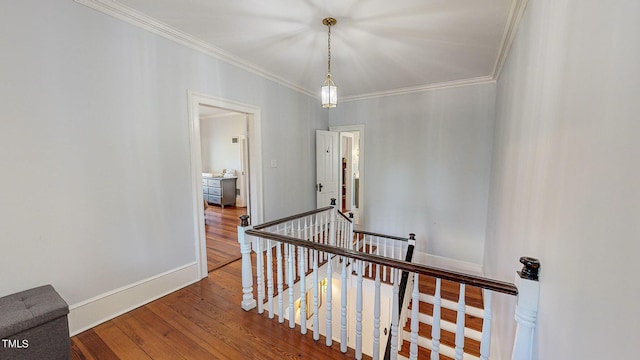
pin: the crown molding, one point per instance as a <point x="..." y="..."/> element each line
<point x="511" y="28"/>
<point x="128" y="15"/>
<point x="423" y="88"/>
<point x="118" y="10"/>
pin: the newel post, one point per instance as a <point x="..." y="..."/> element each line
<point x="248" y="302"/>
<point x="527" y="308"/>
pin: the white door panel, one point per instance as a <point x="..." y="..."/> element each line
<point x="327" y="167"/>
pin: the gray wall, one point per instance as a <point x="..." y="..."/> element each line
<point x="565" y="184"/>
<point x="94" y="146"/>
<point x="427" y="164"/>
<point x="218" y="150"/>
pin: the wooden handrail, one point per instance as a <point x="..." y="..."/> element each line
<point x="292" y="217"/>
<point x="344" y="216"/>
<point x="380" y="235"/>
<point x="472" y="280"/>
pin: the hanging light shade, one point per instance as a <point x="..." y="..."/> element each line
<point x="329" y="91"/>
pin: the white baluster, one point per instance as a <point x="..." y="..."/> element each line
<point x="369" y="252"/>
<point x="260" y="275"/>
<point x="303" y="292"/>
<point x="485" y="344"/>
<point x="332" y="226"/>
<point x="343" y="307"/>
<point x="313" y="227"/>
<point x="248" y="302"/>
<point x="386" y="269"/>
<point x="316" y="319"/>
<point x="269" y="279"/>
<point x="415" y="307"/>
<point x="329" y="298"/>
<point x="393" y="250"/>
<point x="460" y="324"/>
<point x="376" y="316"/>
<point x="280" y="281"/>
<point x="321" y="235"/>
<point x="292" y="316"/>
<point x="306" y="251"/>
<point x="359" y="265"/>
<point x="394" y="315"/>
<point x="435" y="328"/>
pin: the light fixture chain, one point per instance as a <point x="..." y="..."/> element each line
<point x="329" y="47"/>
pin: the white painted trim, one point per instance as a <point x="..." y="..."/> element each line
<point x="255" y="166"/>
<point x="511" y="28"/>
<point x="98" y="309"/>
<point x="447" y="263"/>
<point x="423" y="88"/>
<point x="453" y="305"/>
<point x="444" y="349"/>
<point x="449" y="326"/>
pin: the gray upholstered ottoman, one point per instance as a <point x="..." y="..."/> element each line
<point x="33" y="325"/>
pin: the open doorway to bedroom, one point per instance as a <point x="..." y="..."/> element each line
<point x="224" y="155"/>
<point x="226" y="172"/>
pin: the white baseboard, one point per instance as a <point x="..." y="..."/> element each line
<point x="89" y="313"/>
<point x="447" y="263"/>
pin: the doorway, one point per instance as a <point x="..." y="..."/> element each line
<point x="251" y="160"/>
<point x="222" y="140"/>
<point x="351" y="169"/>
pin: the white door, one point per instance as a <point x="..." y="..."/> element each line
<point x="327" y="167"/>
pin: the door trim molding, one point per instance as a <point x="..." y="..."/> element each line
<point x="256" y="202"/>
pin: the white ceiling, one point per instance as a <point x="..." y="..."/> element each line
<point x="377" y="46"/>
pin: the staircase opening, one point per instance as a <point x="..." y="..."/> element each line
<point x="314" y="272"/>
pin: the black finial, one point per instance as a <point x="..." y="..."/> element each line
<point x="530" y="269"/>
<point x="412" y="236"/>
<point x="350" y="215"/>
<point x="244" y="220"/>
<point x="333" y="201"/>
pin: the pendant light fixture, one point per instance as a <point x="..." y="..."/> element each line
<point x="329" y="92"/>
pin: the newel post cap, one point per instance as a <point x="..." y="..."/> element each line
<point x="333" y="201"/>
<point x="244" y="220"/>
<point x="530" y="268"/>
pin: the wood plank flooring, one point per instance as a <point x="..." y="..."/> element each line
<point x="221" y="226"/>
<point x="203" y="320"/>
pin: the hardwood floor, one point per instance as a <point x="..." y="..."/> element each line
<point x="221" y="226"/>
<point x="203" y="320"/>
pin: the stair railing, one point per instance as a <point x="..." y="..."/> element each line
<point x="402" y="300"/>
<point x="303" y="241"/>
